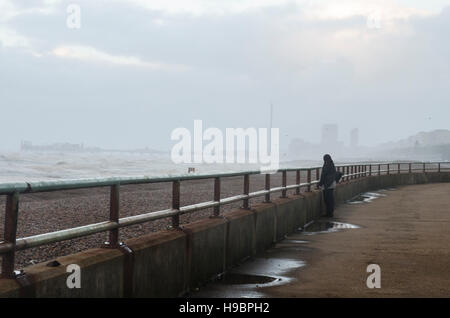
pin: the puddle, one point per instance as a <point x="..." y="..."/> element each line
<point x="248" y="279"/>
<point x="288" y="241"/>
<point x="366" y="197"/>
<point x="317" y="227"/>
<point x="275" y="267"/>
<point x="245" y="279"/>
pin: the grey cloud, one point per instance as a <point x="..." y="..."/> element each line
<point x="240" y="63"/>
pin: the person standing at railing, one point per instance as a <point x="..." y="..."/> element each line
<point x="328" y="182"/>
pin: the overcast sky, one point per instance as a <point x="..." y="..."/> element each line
<point x="138" y="69"/>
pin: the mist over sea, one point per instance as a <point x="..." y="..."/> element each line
<point x="28" y="166"/>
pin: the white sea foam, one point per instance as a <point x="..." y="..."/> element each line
<point x="27" y="166"/>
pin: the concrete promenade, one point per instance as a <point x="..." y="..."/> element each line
<point x="261" y="252"/>
<point x="407" y="233"/>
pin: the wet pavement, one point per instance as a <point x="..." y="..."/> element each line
<point x="248" y="279"/>
<point x="406" y="233"/>
<point x="277" y="265"/>
<point x="273" y="267"/>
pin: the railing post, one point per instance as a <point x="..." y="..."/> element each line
<point x="348" y="172"/>
<point x="317" y="174"/>
<point x="267" y="188"/>
<point x="297" y="181"/>
<point x="246" y="190"/>
<point x="114" y="206"/>
<point x="11" y="215"/>
<point x="217" y="195"/>
<point x="398" y="169"/>
<point x="409" y="167"/>
<point x="439" y="167"/>
<point x="388" y="169"/>
<point x="370" y="170"/>
<point x="424" y="167"/>
<point x="308" y="178"/>
<point x="283" y="183"/>
<point x="176" y="203"/>
<point x="379" y="169"/>
<point x="351" y="172"/>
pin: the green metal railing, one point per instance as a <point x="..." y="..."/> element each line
<point x="11" y="244"/>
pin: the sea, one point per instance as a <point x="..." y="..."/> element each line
<point x="31" y="166"/>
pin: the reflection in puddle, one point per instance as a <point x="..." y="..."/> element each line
<point x="248" y="279"/>
<point x="288" y="241"/>
<point x="326" y="227"/>
<point x="244" y="279"/>
<point x="365" y="197"/>
<point x="269" y="266"/>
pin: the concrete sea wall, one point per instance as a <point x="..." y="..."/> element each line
<point x="170" y="263"/>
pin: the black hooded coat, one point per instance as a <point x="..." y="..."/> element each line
<point x="328" y="175"/>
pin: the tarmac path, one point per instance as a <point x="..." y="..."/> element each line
<point x="406" y="233"/>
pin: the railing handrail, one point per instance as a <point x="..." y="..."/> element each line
<point x="12" y="190"/>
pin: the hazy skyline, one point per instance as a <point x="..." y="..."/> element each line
<point x="136" y="70"/>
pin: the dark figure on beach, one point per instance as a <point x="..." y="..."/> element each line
<point x="328" y="183"/>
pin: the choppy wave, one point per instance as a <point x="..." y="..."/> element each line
<point x="41" y="166"/>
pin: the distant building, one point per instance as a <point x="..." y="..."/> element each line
<point x="25" y="145"/>
<point x="329" y="134"/>
<point x="354" y="138"/>
<point x="28" y="146"/>
<point x="329" y="143"/>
